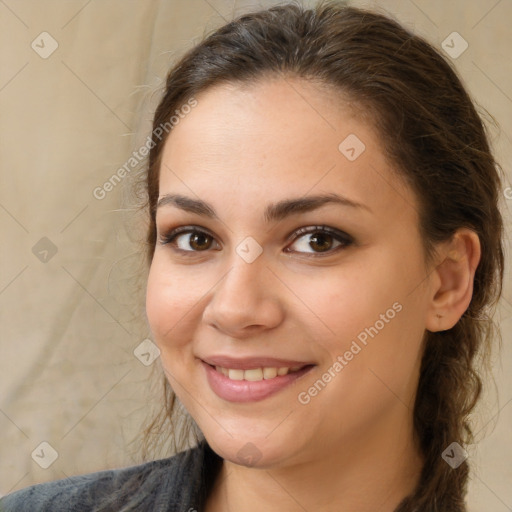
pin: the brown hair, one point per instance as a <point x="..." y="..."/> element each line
<point x="437" y="143"/>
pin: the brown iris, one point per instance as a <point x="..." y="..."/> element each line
<point x="326" y="245"/>
<point x="200" y="242"/>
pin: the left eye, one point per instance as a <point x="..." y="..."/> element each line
<point x="321" y="239"/>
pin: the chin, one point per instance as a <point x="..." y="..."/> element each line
<point x="254" y="452"/>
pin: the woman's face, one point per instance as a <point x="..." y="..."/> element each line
<point x="344" y="301"/>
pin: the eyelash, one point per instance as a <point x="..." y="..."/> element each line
<point x="340" y="236"/>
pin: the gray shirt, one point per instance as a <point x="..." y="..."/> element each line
<point x="176" y="484"/>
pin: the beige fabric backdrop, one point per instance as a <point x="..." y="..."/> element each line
<point x="70" y="316"/>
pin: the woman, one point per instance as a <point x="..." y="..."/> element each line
<point x="325" y="247"/>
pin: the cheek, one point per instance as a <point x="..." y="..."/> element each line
<point x="169" y="304"/>
<point x="367" y="302"/>
<point x="339" y="303"/>
<point x="157" y="300"/>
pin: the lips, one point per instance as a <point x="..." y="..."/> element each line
<point x="235" y="390"/>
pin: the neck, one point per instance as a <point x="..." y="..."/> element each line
<point x="375" y="475"/>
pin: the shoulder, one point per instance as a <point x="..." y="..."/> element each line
<point x="161" y="485"/>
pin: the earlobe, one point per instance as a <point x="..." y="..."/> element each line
<point x="452" y="283"/>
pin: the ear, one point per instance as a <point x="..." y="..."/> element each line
<point x="452" y="280"/>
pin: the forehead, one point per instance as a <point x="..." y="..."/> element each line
<point x="277" y="138"/>
<point x="272" y="112"/>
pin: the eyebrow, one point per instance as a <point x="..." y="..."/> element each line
<point x="273" y="212"/>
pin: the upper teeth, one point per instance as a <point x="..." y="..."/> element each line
<point x="255" y="373"/>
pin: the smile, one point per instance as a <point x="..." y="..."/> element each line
<point x="251" y="384"/>
<point x="255" y="374"/>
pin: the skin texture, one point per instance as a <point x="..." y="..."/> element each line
<point x="351" y="447"/>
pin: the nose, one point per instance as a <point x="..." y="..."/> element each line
<point x="246" y="300"/>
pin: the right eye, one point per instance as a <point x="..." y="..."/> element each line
<point x="199" y="240"/>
